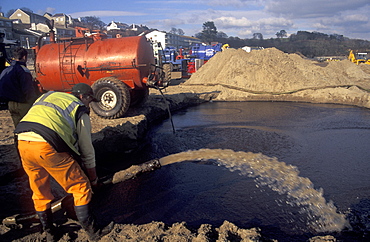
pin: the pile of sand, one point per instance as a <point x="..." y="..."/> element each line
<point x="271" y="70"/>
<point x="270" y="74"/>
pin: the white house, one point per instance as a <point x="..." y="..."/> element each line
<point x="173" y="40"/>
<point x="59" y="30"/>
<point x="62" y="19"/>
<point x="116" y="26"/>
<point x="25" y="17"/>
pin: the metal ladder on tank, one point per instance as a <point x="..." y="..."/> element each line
<point x="67" y="56"/>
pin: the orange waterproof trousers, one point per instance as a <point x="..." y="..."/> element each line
<point x="40" y="161"/>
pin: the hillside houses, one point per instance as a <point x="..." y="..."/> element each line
<point x="24" y="28"/>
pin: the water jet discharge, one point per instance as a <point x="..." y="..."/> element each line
<point x="278" y="176"/>
<point x="266" y="172"/>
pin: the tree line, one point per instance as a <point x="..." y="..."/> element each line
<point x="309" y="44"/>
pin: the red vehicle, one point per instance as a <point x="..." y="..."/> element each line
<point x="119" y="70"/>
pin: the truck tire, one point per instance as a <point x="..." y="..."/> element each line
<point x="114" y="98"/>
<point x="167" y="69"/>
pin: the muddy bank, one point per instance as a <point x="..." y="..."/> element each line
<point x="126" y="134"/>
<point x="158" y="231"/>
<point x="268" y="75"/>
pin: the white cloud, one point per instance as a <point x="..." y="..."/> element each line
<point x="312" y="8"/>
<point x="320" y="26"/>
<point x="245" y="27"/>
<point x="105" y="14"/>
<point x="350" y="18"/>
<point x="356" y="18"/>
<point x="194" y="5"/>
<point x="245" y="32"/>
<point x="235" y="3"/>
<point x="50" y="10"/>
<point x="233" y="22"/>
<point x="166" y="2"/>
<point x="166" y="23"/>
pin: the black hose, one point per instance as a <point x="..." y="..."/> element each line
<point x="168" y="109"/>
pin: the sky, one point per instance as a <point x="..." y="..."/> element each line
<point x="237" y="18"/>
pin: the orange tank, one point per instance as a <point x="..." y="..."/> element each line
<point x="61" y="65"/>
<point x="118" y="70"/>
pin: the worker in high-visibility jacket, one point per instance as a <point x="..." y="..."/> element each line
<point x="51" y="138"/>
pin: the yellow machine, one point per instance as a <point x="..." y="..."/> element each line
<point x="358" y="58"/>
<point x="225" y="46"/>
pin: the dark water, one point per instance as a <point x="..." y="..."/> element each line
<point x="328" y="144"/>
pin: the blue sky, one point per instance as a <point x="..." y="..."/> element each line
<point x="239" y="18"/>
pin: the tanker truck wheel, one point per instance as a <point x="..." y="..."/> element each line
<point x="114" y="98"/>
<point x="167" y="69"/>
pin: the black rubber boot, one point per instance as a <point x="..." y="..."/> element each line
<point x="88" y="223"/>
<point x="46" y="219"/>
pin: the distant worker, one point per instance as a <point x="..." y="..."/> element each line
<point x="17" y="86"/>
<point x="3" y="56"/>
<point x="225" y="46"/>
<point x="53" y="136"/>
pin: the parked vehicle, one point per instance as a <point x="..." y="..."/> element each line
<point x="120" y="70"/>
<point x="174" y="60"/>
<point x="186" y="61"/>
<point x="200" y="54"/>
<point x="358" y="58"/>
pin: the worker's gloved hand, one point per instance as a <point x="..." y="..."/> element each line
<point x="96" y="185"/>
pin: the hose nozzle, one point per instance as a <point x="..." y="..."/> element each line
<point x="135" y="170"/>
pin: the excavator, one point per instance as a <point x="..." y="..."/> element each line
<point x="358" y="58"/>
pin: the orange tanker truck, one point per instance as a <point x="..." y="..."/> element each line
<point x="119" y="70"/>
